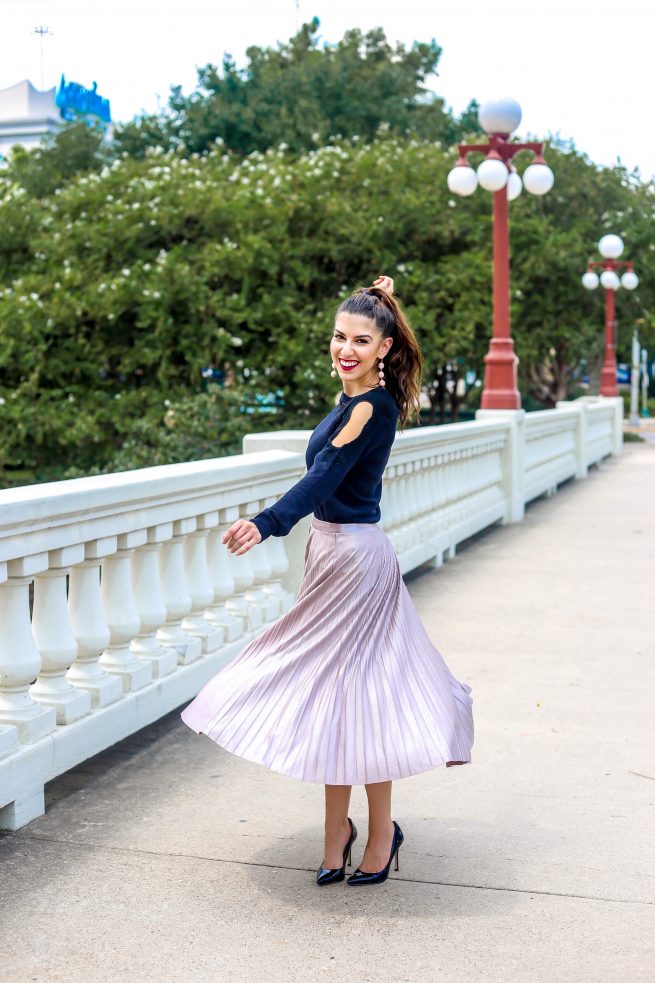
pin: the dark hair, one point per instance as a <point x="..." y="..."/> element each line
<point x="403" y="363"/>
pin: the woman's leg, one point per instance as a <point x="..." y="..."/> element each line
<point x="337" y="827"/>
<point x="380" y="827"/>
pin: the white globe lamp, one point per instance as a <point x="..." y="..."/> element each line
<point x="610" y="246"/>
<point x="514" y="186"/>
<point x="630" y="280"/>
<point x="610" y="280"/>
<point x="590" y="280"/>
<point x="538" y="177"/>
<point x="462" y="180"/>
<point x="492" y="173"/>
<point x="500" y="116"/>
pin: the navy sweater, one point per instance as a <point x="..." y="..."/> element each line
<point x="343" y="483"/>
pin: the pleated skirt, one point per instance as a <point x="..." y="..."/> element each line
<point x="344" y="688"/>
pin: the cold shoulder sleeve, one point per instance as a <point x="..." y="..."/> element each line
<point x="328" y="470"/>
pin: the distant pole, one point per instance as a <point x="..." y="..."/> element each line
<point x="610" y="248"/>
<point x="42" y="32"/>
<point x="634" y="379"/>
<point x="644" y="382"/>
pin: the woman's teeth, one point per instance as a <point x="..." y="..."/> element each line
<point x="347" y="365"/>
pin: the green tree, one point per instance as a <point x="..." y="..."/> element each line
<point x="74" y="149"/>
<point x="301" y="93"/>
<point x="120" y="287"/>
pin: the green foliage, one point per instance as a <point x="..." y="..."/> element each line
<point x="301" y="94"/>
<point x="73" y="149"/>
<point x="116" y="290"/>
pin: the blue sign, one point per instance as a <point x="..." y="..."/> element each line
<point x="623" y="373"/>
<point x="76" y="102"/>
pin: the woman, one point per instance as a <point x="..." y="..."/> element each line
<point x="345" y="688"/>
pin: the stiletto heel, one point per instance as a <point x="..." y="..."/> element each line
<point x="376" y="877"/>
<point x="330" y="875"/>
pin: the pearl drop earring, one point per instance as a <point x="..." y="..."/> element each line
<point x="334" y="370"/>
<point x="381" y="372"/>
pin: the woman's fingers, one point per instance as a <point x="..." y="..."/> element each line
<point x="241" y="536"/>
<point x="384" y="283"/>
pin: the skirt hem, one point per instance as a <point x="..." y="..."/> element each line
<point x="323" y="781"/>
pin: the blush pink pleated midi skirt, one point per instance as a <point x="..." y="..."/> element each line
<point x="344" y="688"/>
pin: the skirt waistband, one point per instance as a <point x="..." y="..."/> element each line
<point x="344" y="527"/>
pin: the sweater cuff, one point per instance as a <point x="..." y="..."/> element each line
<point x="265" y="524"/>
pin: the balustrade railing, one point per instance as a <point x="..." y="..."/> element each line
<point x="136" y="602"/>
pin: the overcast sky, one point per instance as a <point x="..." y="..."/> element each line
<point x="580" y="69"/>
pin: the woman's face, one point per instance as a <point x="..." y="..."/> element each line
<point x="357" y="346"/>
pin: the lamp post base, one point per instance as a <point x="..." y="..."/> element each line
<point x="608" y="386"/>
<point x="500" y="390"/>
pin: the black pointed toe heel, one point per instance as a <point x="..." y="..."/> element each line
<point x="376" y="877"/>
<point x="330" y="875"/>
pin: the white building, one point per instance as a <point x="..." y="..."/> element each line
<point x="28" y="114"/>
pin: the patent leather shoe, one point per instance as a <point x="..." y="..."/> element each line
<point x="330" y="875"/>
<point x="376" y="877"/>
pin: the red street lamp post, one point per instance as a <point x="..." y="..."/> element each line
<point x="610" y="247"/>
<point x="496" y="173"/>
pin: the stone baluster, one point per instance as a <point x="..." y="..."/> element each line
<point x="432" y="478"/>
<point x="90" y="627"/>
<point x="122" y="615"/>
<point x="20" y="661"/>
<point x="241" y="571"/>
<point x="392" y="515"/>
<point x="404" y="509"/>
<point x="450" y="475"/>
<point x="421" y="495"/>
<point x="199" y="582"/>
<point x="55" y="640"/>
<point x="279" y="562"/>
<point x="149" y="603"/>
<point x="413" y="503"/>
<point x="176" y="596"/>
<point x="223" y="585"/>
<point x="261" y="573"/>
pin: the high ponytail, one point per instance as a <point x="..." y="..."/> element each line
<point x="403" y="363"/>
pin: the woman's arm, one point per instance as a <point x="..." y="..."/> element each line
<point x="328" y="470"/>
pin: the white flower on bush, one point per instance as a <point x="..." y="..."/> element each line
<point x="125" y="271"/>
<point x="236" y="341"/>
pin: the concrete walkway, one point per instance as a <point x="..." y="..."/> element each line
<point x="166" y="859"/>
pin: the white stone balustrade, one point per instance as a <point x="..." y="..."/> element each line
<point x="137" y="601"/>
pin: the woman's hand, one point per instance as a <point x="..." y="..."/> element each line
<point x="241" y="536"/>
<point x="384" y="283"/>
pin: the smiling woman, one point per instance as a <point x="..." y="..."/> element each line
<point x="346" y="687"/>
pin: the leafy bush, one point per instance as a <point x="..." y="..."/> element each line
<point x="119" y="288"/>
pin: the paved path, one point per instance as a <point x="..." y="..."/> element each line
<point x="166" y="859"/>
